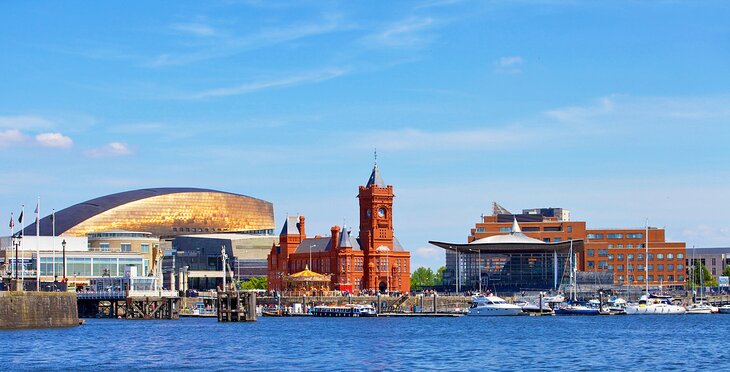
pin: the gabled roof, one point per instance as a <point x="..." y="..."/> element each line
<point x="323" y="244"/>
<point x="375" y="178"/>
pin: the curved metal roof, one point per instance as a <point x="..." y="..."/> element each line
<point x="74" y="215"/>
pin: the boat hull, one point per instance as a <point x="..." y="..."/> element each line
<point x="577" y="312"/>
<point x="495" y="311"/>
<point x="655" y="310"/>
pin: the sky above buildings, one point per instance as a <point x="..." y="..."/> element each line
<point x="617" y="111"/>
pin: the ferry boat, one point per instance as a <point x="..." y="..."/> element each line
<point x="345" y="311"/>
<point x="492" y="306"/>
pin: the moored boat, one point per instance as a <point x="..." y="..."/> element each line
<point x="655" y="305"/>
<point x="724" y="309"/>
<point x="492" y="306"/>
<point x="345" y="311"/>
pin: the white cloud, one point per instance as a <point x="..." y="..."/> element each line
<point x="603" y="106"/>
<point x="429" y="252"/>
<point x="510" y="64"/>
<point x="12" y="137"/>
<point x="54" y="140"/>
<point x="24" y="122"/>
<point x="194" y="28"/>
<point x="406" y="33"/>
<point x="110" y="149"/>
<point x="312" y="77"/>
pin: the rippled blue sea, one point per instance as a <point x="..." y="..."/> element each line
<point x="697" y="342"/>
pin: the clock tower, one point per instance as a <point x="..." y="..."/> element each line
<point x="376" y="228"/>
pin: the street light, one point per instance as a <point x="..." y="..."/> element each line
<point x="16" y="243"/>
<point x="63" y="246"/>
<point x="479" y="263"/>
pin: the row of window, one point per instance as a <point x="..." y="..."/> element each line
<point x="124" y="247"/>
<point x="530" y="229"/>
<point x="640" y="256"/>
<point x="659" y="267"/>
<point x="616" y="236"/>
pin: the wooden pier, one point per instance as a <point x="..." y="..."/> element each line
<point x="236" y="306"/>
<point x="156" y="305"/>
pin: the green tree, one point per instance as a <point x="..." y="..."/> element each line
<point x="440" y="275"/>
<point x="701" y="275"/>
<point x="257" y="282"/>
<point x="422" y="277"/>
<point x="726" y="272"/>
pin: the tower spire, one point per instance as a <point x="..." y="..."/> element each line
<point x="375" y="178"/>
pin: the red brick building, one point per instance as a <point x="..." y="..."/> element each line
<point x="374" y="260"/>
<point x="617" y="251"/>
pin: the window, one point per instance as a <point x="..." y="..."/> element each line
<point x="660" y="267"/>
<point x="630" y="257"/>
<point x="553" y="228"/>
<point x="670" y="278"/>
<point x="595" y="236"/>
<point x="629" y="246"/>
<point x="615" y="236"/>
<point x="640" y="256"/>
<point x="640" y="267"/>
<point x="661" y="278"/>
<point x="680" y="255"/>
<point x="480" y="229"/>
<point x="620" y="278"/>
<point x="714" y="271"/>
<point x="635" y="236"/>
<point x="670" y="267"/>
<point x="714" y="260"/>
<point x="640" y="278"/>
<point x="659" y="256"/>
<point x="620" y="267"/>
<point x="620" y="246"/>
<point x="590" y="253"/>
<point x="620" y="257"/>
<point x="602" y="264"/>
<point x="630" y="267"/>
<point x="505" y="229"/>
<point x="126" y="247"/>
<point x="104" y="247"/>
<point x="610" y="257"/>
<point x="650" y="256"/>
<point x="602" y="252"/>
<point x="144" y="248"/>
<point x="591" y="264"/>
<point x="650" y="267"/>
<point x="651" y="278"/>
<point x="670" y="256"/>
<point x="631" y="278"/>
<point x="680" y="278"/>
<point x="680" y="266"/>
<point x="546" y="240"/>
<point x="610" y="246"/>
<point x="610" y="267"/>
<point x="570" y="228"/>
<point x="557" y="240"/>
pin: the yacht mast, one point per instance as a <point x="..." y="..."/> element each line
<point x="646" y="256"/>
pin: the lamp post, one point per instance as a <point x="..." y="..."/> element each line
<point x="63" y="246"/>
<point x="479" y="267"/>
<point x="16" y="243"/>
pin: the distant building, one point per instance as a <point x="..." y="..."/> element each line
<point x="195" y="260"/>
<point x="617" y="253"/>
<point x="715" y="259"/>
<point x="163" y="212"/>
<point x="374" y="260"/>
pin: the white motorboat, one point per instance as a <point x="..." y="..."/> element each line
<point x="699" y="308"/>
<point x="724" y="309"/>
<point x="492" y="306"/>
<point x="655" y="305"/>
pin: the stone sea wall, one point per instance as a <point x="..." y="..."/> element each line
<point x="20" y="310"/>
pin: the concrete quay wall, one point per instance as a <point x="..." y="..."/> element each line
<point x="19" y="310"/>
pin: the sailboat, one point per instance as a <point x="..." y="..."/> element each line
<point x="650" y="304"/>
<point x="698" y="307"/>
<point x="573" y="307"/>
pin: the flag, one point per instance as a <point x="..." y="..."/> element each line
<point x="20" y="218"/>
<point x="12" y="222"/>
<point x="53" y="215"/>
<point x="37" y="211"/>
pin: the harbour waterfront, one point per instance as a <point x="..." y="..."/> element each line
<point x="310" y="343"/>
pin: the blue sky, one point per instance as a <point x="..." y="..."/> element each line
<point x="618" y="111"/>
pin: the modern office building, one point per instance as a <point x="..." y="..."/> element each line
<point x="619" y="255"/>
<point x="374" y="260"/>
<point x="163" y="212"/>
<point x="196" y="260"/>
<point x="715" y="259"/>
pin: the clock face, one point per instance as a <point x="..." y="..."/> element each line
<point x="381" y="212"/>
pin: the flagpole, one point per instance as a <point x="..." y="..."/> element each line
<point x="53" y="243"/>
<point x="22" y="248"/>
<point x="37" y="245"/>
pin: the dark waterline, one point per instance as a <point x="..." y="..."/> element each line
<point x="688" y="342"/>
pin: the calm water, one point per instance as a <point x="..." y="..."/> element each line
<point x="466" y="343"/>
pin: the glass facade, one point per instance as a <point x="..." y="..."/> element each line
<point x="91" y="266"/>
<point x="183" y="213"/>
